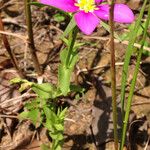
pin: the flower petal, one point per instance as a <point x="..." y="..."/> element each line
<point x="102" y="12"/>
<point x="122" y="13"/>
<point x="98" y="1"/>
<point x="65" y="5"/>
<point x="86" y="22"/>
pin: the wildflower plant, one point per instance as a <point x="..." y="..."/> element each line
<point x="43" y="110"/>
<point x="85" y="16"/>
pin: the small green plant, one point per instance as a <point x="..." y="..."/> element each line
<point x="43" y="110"/>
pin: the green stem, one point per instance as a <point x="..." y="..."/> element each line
<point x="113" y="74"/>
<point x="72" y="39"/>
<point x="128" y="107"/>
<point x="30" y="37"/>
<point x="9" y="50"/>
<point x="129" y="51"/>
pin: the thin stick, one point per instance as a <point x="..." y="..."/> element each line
<point x="30" y="36"/>
<point x="9" y="50"/>
<point x="146" y="146"/>
<point x="116" y="41"/>
<point x="141" y="103"/>
<point x="21" y="37"/>
<point x="113" y="74"/>
<point x="9" y="116"/>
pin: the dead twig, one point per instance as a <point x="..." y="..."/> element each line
<point x="9" y="50"/>
<point x="13" y="21"/>
<point x="116" y="41"/>
<point x="98" y="67"/>
<point x="31" y="38"/>
<point x="8" y="116"/>
<point x="146" y="146"/>
<point x="15" y="35"/>
<point x="141" y="103"/>
<point x="15" y="100"/>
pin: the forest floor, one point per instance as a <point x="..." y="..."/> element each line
<point x="88" y="125"/>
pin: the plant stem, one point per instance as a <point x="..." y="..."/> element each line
<point x="72" y="39"/>
<point x="129" y="101"/>
<point x="113" y="74"/>
<point x="30" y="37"/>
<point x="9" y="50"/>
<point x="129" y="51"/>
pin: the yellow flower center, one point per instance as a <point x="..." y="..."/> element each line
<point x="86" y="5"/>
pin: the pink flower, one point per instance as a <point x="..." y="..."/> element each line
<point x="87" y="13"/>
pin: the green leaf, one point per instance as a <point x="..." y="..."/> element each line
<point x="24" y="83"/>
<point x="47" y="87"/>
<point x="64" y="75"/>
<point x="59" y="127"/>
<point x="23" y="115"/>
<point x="79" y="90"/>
<point x="15" y="80"/>
<point x="77" y="97"/>
<point x="125" y="36"/>
<point x="146" y="53"/>
<point x="76" y="88"/>
<point x="65" y="40"/>
<point x="69" y="28"/>
<point x="19" y="80"/>
<point x="32" y="104"/>
<point x="56" y="136"/>
<point x="59" y="17"/>
<point x="50" y="115"/>
<point x="56" y="145"/>
<point x="73" y="57"/>
<point x="48" y="124"/>
<point x="62" y="114"/>
<point x="45" y="90"/>
<point x="25" y="86"/>
<point x="44" y="147"/>
<point x="73" y="60"/>
<point x="58" y="93"/>
<point x="63" y="56"/>
<point x="42" y="94"/>
<point x="78" y="45"/>
<point x="33" y="115"/>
